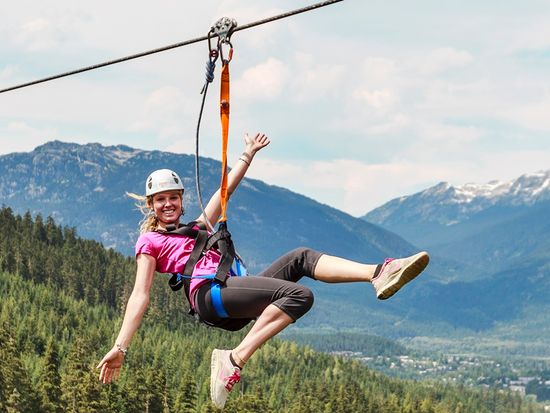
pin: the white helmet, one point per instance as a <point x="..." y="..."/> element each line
<point x="162" y="180"/>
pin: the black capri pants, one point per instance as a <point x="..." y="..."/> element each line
<point x="245" y="298"/>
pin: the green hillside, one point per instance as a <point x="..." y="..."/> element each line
<point x="61" y="301"/>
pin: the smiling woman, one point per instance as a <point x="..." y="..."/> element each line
<point x="273" y="298"/>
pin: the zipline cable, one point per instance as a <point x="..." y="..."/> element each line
<point x="172" y="46"/>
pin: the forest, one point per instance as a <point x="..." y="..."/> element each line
<point x="61" y="303"/>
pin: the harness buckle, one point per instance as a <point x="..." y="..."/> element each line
<point x="176" y="282"/>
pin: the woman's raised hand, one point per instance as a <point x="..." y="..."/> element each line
<point x="254" y="144"/>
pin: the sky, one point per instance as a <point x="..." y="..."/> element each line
<point x="364" y="101"/>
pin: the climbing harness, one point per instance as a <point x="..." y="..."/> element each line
<point x="203" y="242"/>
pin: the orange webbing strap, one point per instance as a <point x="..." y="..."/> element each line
<point x="224" y="114"/>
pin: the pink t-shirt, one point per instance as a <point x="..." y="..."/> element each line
<point x="172" y="252"/>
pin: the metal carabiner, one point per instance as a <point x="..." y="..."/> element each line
<point x="213" y="52"/>
<point x="220" y="49"/>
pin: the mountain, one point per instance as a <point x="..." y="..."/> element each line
<point x="498" y="224"/>
<point x="85" y="185"/>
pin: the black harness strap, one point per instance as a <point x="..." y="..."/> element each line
<point x="196" y="254"/>
<point x="220" y="240"/>
<point x="227" y="251"/>
<point x="201" y="237"/>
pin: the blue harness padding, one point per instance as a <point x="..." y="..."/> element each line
<point x="216" y="295"/>
<point x="237" y="270"/>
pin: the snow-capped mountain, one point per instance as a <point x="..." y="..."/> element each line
<point x="446" y="204"/>
<point x="496" y="222"/>
<point x="525" y="190"/>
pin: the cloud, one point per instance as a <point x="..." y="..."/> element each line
<point x="377" y="69"/>
<point x="348" y="185"/>
<point x="379" y="100"/>
<point x="169" y="115"/>
<point x="443" y="59"/>
<point x="264" y="81"/>
<point x="440" y="98"/>
<point x="525" y="37"/>
<point x="534" y="116"/>
<point x="17" y="136"/>
<point x="39" y="34"/>
<point x="7" y="72"/>
<point x="313" y="79"/>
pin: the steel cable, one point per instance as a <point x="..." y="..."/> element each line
<point x="169" y="47"/>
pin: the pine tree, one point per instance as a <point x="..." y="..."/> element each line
<point x="186" y="395"/>
<point x="18" y="392"/>
<point x="157" y="399"/>
<point x="80" y="386"/>
<point x="135" y="391"/>
<point x="49" y="386"/>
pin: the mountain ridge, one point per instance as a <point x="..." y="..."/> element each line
<point x="467" y="199"/>
<point x="474" y="222"/>
<point x="71" y="181"/>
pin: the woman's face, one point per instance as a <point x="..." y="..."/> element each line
<point x="167" y="206"/>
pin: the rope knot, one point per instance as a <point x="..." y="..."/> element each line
<point x="210" y="67"/>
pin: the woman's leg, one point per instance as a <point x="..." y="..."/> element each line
<point x="272" y="321"/>
<point x="331" y="269"/>
<point x="327" y="268"/>
<point x="387" y="278"/>
<point x="276" y="303"/>
<point x="390" y="276"/>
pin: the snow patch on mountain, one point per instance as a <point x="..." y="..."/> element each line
<point x="525" y="190"/>
<point x="120" y="154"/>
<point x="494" y="189"/>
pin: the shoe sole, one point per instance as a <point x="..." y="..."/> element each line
<point x="409" y="273"/>
<point x="214" y="370"/>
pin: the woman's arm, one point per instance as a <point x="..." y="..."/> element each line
<point x="137" y="304"/>
<point x="237" y="173"/>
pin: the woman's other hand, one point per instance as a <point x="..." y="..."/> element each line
<point x="110" y="366"/>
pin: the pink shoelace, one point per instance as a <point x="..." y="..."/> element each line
<point x="388" y="260"/>
<point x="232" y="380"/>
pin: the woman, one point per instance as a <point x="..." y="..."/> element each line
<point x="272" y="298"/>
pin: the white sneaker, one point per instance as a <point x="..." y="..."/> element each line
<point x="223" y="376"/>
<point x="395" y="273"/>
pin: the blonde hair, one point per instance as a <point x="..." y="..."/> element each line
<point x="150" y="222"/>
